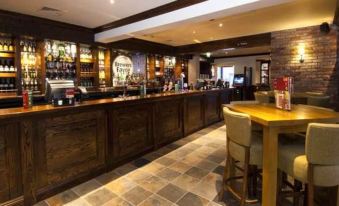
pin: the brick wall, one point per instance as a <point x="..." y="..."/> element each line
<point x="319" y="71"/>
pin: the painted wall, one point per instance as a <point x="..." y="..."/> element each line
<point x="193" y="69"/>
<point x="240" y="62"/>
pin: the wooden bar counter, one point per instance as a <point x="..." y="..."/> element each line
<point x="45" y="150"/>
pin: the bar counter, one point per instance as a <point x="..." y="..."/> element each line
<point x="45" y="150"/>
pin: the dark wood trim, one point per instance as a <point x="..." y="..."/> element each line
<point x="242" y="55"/>
<point x="138" y="45"/>
<point x="21" y="24"/>
<point x="336" y="15"/>
<point x="251" y="41"/>
<point x="148" y="14"/>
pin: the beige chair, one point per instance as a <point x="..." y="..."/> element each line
<point x="262" y="97"/>
<point x="255" y="127"/>
<point x="317" y="107"/>
<point x="242" y="145"/>
<point x="244" y="102"/>
<point x="315" y="163"/>
<point x="320" y="101"/>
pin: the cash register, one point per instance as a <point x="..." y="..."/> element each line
<point x="60" y="92"/>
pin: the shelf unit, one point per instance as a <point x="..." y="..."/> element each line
<point x="88" y="68"/>
<point x="31" y="71"/>
<point x="8" y="65"/>
<point x="60" y="60"/>
<point x="104" y="67"/>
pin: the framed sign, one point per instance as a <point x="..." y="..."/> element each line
<point x="122" y="66"/>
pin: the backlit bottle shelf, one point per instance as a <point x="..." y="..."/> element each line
<point x="7" y="54"/>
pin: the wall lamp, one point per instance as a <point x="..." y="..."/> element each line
<point x="301" y="52"/>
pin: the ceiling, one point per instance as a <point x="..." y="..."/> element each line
<point x="299" y="13"/>
<point x="87" y="13"/>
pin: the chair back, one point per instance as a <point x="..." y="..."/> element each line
<point x="322" y="144"/>
<point x="244" y="102"/>
<point x="320" y="101"/>
<point x="262" y="97"/>
<point x="238" y="127"/>
<point x="316" y="107"/>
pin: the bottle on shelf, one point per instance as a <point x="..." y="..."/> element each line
<point x="5" y="46"/>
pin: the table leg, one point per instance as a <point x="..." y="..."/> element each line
<point x="270" y="165"/>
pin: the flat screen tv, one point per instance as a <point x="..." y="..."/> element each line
<point x="238" y="80"/>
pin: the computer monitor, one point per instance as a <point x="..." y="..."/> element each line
<point x="238" y="80"/>
<point x="57" y="89"/>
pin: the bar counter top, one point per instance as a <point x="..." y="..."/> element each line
<point x="21" y="111"/>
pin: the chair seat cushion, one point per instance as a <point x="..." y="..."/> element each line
<point x="292" y="160"/>
<point x="238" y="152"/>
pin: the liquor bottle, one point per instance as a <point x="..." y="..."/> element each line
<point x="29" y="48"/>
<point x="33" y="47"/>
<point x="25" y="47"/>
<point x="11" y="84"/>
<point x="6" y="84"/>
<point x="5" y="46"/>
<point x="11" y="47"/>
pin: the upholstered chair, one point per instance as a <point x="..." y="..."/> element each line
<point x="320" y="101"/>
<point x="255" y="127"/>
<point x="243" y="145"/>
<point x="262" y="97"/>
<point x="315" y="163"/>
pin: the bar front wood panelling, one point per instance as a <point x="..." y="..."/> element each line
<point x="56" y="149"/>
<point x="168" y="122"/>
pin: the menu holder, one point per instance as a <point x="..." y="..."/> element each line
<point x="283" y="88"/>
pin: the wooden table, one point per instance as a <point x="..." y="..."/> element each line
<point x="275" y="121"/>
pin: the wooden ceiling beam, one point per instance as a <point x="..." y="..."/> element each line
<point x="239" y="42"/>
<point x="138" y="45"/>
<point x="166" y="8"/>
<point x="336" y="15"/>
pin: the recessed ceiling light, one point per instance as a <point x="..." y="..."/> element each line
<point x="194" y="32"/>
<point x="196" y="41"/>
<point x="220" y="25"/>
<point x="112" y="1"/>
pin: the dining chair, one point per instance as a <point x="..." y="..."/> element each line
<point x="244" y="102"/>
<point x="320" y="101"/>
<point x="245" y="146"/>
<point x="315" y="163"/>
<point x="262" y="97"/>
<point x="255" y="127"/>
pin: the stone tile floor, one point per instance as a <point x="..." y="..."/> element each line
<point x="184" y="173"/>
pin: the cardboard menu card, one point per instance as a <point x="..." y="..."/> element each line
<point x="283" y="88"/>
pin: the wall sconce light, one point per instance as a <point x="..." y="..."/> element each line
<point x="301" y="52"/>
<point x="208" y="54"/>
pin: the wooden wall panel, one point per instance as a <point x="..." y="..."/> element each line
<point x="225" y="98"/>
<point x="212" y="107"/>
<point x="168" y="121"/>
<point x="10" y="167"/>
<point x="72" y="145"/>
<point x="132" y="131"/>
<point x="194" y="113"/>
<point x="4" y="189"/>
